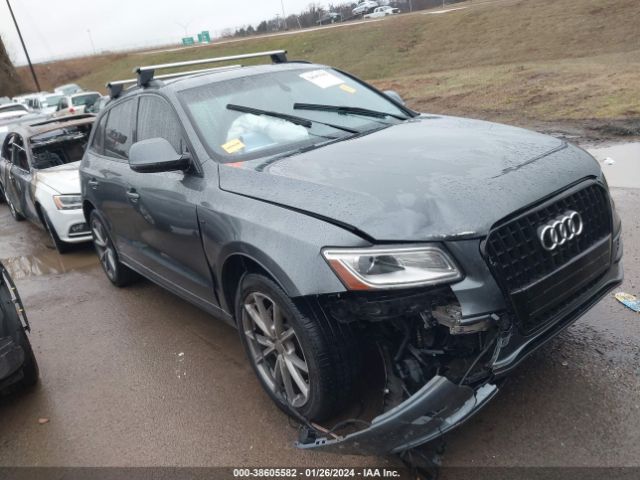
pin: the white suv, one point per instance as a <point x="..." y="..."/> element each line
<point x="39" y="176"/>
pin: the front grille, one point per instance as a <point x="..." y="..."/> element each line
<point x="524" y="269"/>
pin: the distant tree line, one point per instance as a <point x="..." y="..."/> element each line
<point x="10" y="83"/>
<point x="315" y="12"/>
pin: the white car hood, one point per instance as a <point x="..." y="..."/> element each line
<point x="62" y="179"/>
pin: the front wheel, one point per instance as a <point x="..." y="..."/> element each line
<point x="120" y="275"/>
<point x="304" y="365"/>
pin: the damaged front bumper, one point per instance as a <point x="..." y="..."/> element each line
<point x="435" y="409"/>
<point x="441" y="405"/>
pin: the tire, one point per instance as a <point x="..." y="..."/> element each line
<point x="120" y="275"/>
<point x="30" y="370"/>
<point x="323" y="348"/>
<point x="61" y="247"/>
<point x="14" y="213"/>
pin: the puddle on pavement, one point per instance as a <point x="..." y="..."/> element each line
<point x="624" y="172"/>
<point x="49" y="263"/>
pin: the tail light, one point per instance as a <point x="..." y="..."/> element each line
<point x="72" y="110"/>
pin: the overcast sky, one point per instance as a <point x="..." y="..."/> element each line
<point x="60" y="28"/>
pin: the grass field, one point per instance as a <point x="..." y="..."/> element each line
<point x="523" y="61"/>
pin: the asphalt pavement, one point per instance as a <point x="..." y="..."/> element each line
<point x="138" y="377"/>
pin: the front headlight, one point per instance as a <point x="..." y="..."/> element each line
<point x="384" y="268"/>
<point x="67" y="202"/>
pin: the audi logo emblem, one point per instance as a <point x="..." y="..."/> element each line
<point x="560" y="230"/>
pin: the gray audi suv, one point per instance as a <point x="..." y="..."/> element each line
<point x="364" y="251"/>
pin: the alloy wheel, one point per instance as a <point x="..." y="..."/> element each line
<point x="104" y="248"/>
<point x="275" y="349"/>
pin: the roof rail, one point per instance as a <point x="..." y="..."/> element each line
<point x="66" y="118"/>
<point x="147" y="73"/>
<point x="115" y="88"/>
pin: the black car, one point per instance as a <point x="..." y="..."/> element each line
<point x="349" y="237"/>
<point x="18" y="365"/>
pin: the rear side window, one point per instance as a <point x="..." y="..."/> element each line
<point x="156" y="119"/>
<point x="97" y="144"/>
<point x="118" y="134"/>
<point x="88" y="99"/>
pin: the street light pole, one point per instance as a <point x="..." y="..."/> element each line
<point x="24" y="47"/>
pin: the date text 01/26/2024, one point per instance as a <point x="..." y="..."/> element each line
<point x="315" y="473"/>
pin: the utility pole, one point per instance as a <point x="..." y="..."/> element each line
<point x="284" y="16"/>
<point x="93" y="47"/>
<point x="24" y="47"/>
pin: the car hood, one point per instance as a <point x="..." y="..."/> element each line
<point x="432" y="177"/>
<point x="63" y="179"/>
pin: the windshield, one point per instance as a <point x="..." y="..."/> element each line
<point x="232" y="133"/>
<point x="88" y="99"/>
<point x="51" y="100"/>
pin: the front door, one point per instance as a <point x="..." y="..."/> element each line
<point x="166" y="224"/>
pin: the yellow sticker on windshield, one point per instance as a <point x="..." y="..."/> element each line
<point x="233" y="146"/>
<point x="347" y="88"/>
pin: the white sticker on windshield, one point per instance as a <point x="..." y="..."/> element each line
<point x="321" y="78"/>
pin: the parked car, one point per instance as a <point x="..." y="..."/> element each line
<point x="18" y="365"/>
<point x="39" y="176"/>
<point x="382" y="12"/>
<point x="98" y="105"/>
<point x="344" y="233"/>
<point x="68" y="89"/>
<point x="364" y="7"/>
<point x="75" y="104"/>
<point x="46" y="103"/>
<point x="12" y="111"/>
<point x="330" y="17"/>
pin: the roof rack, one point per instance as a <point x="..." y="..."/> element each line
<point x="147" y="73"/>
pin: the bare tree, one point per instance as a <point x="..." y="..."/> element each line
<point x="10" y="82"/>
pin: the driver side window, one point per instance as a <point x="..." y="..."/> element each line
<point x="19" y="154"/>
<point x="156" y="119"/>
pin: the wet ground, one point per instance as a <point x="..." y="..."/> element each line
<point x="138" y="377"/>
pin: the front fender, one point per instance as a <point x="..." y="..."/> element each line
<point x="286" y="243"/>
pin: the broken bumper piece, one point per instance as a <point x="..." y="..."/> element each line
<point x="437" y="407"/>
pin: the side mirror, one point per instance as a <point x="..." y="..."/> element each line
<point x="156" y="155"/>
<point x="395" y="96"/>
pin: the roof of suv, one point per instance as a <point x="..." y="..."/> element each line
<point x="31" y="129"/>
<point x="224" y="74"/>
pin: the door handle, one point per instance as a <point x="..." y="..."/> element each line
<point x="133" y="196"/>
<point x="93" y="183"/>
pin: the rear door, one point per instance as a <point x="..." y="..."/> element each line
<point x="20" y="176"/>
<point x="167" y="235"/>
<point x="105" y="170"/>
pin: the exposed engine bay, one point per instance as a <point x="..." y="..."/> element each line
<point x="428" y="364"/>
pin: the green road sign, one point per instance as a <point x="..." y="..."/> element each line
<point x="188" y="41"/>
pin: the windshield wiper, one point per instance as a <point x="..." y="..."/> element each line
<point x="303" y="122"/>
<point x="347" y="110"/>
